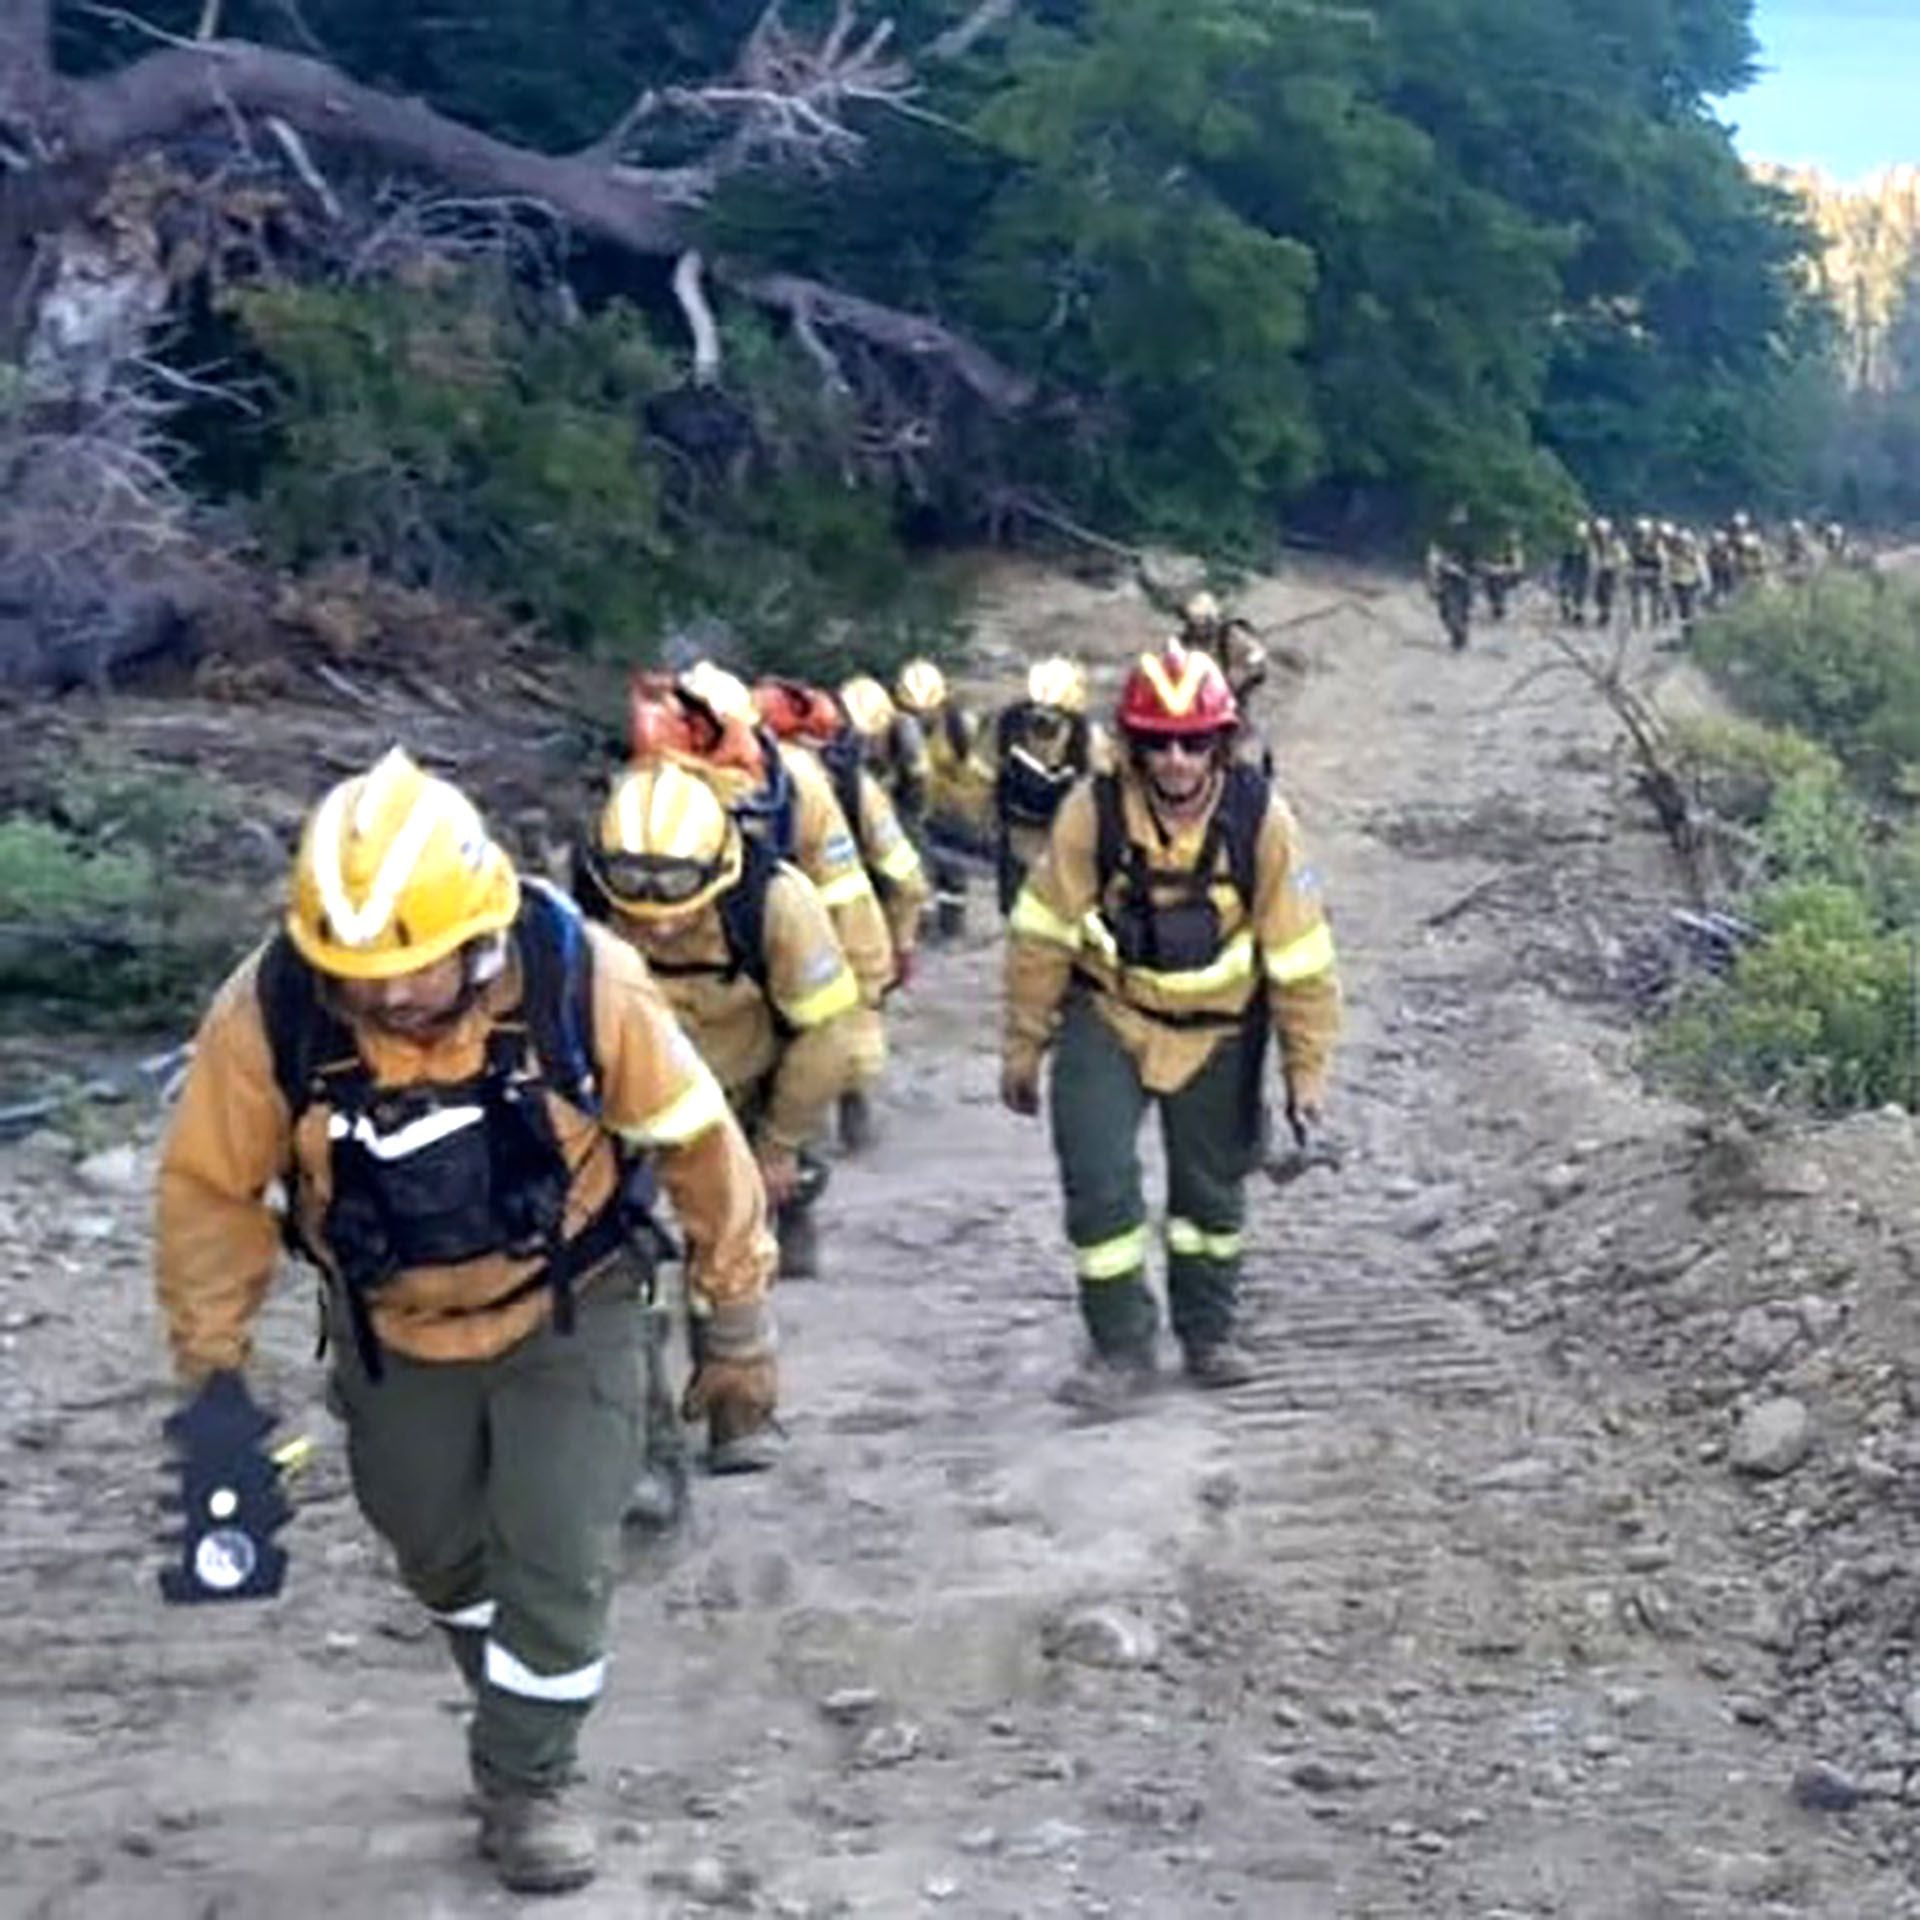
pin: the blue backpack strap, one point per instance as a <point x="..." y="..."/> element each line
<point x="556" y="960"/>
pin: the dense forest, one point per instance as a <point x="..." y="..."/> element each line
<point x="621" y="314"/>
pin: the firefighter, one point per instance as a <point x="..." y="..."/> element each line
<point x="1798" y="556"/>
<point x="1170" y="922"/>
<point x="959" y="788"/>
<point x="787" y="799"/>
<point x="813" y="720"/>
<point x="1752" y="557"/>
<point x="1574" y="574"/>
<point x="1721" y="543"/>
<point x="890" y="744"/>
<point x="1043" y="745"/>
<point x="1450" y="568"/>
<point x="1687" y="573"/>
<point x="1609" y="563"/>
<point x="1502" y="573"/>
<point x="1646" y="574"/>
<point x="451" y="1075"/>
<point x="1242" y="655"/>
<point x="746" y="956"/>
<point x="1231" y="640"/>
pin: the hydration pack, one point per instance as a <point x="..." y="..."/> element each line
<point x="438" y="1174"/>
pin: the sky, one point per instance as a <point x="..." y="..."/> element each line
<point x="1839" y="87"/>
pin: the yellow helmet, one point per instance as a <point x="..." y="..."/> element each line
<point x="1201" y="613"/>
<point x="396" y="870"/>
<point x="726" y="693"/>
<point x="921" y="688"/>
<point x="666" y="845"/>
<point x="1059" y="683"/>
<point x="868" y="706"/>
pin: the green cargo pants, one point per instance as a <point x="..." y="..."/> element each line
<point x="1097" y="1105"/>
<point x="499" y="1485"/>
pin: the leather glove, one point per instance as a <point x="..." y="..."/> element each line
<point x="779" y="1173"/>
<point x="1303" y="1116"/>
<point x="904" y="961"/>
<point x="1020" y="1088"/>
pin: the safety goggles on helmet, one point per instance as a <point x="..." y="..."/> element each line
<point x="655" y="879"/>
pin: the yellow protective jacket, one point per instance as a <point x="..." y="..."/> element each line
<point x="828" y="853"/>
<point x="1060" y="936"/>
<point x="232" y="1136"/>
<point x="959" y="774"/>
<point x="781" y="1044"/>
<point x="893" y="864"/>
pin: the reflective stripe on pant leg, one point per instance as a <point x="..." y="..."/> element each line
<point x="1209" y="1153"/>
<point x="1114" y="1258"/>
<point x="565" y="1419"/>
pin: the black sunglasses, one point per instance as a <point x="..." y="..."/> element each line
<point x="1195" y="745"/>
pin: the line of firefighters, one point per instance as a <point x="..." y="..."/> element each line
<point x="1648" y="572"/>
<point x="470" y="1089"/>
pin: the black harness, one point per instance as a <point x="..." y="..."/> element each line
<point x="440" y="1174"/>
<point x="1167" y="922"/>
<point x="1027" y="792"/>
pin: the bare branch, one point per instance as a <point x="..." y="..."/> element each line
<point x="1003" y="388"/>
<point x="692" y="295"/>
<point x="960" y="40"/>
<point x="169" y="92"/>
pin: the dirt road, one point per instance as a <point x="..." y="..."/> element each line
<point x="1410" y="1627"/>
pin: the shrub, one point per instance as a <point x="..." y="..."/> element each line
<point x="107" y="907"/>
<point x="451" y="442"/>
<point x="1838" y="660"/>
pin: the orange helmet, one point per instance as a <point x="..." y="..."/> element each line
<point x="1179" y="690"/>
<point x="670" y="721"/>
<point x="792" y="710"/>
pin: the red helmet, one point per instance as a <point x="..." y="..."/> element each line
<point x="1177" y="690"/>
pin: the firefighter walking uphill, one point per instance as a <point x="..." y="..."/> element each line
<point x="746" y="956"/>
<point x="959" y="788"/>
<point x="787" y="800"/>
<point x="1169" y="925"/>
<point x="1043" y="745"/>
<point x="454" y="1077"/>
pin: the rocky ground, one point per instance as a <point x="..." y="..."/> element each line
<point x="1557" y="1565"/>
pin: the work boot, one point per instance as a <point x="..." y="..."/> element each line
<point x="657" y="1500"/>
<point x="798" y="1233"/>
<point x="949" y="917"/>
<point x="1107" y="1385"/>
<point x="1220" y="1363"/>
<point x="537" y="1841"/>
<point x="733" y="1447"/>
<point x="858" y="1129"/>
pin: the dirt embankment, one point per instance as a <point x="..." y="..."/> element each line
<point x="1510" y="1589"/>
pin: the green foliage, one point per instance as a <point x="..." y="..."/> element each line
<point x="1824" y="1008"/>
<point x="121" y="905"/>
<point x="456" y="445"/>
<point x="1376" y="260"/>
<point x="1737" y="764"/>
<point x="1819" y="1011"/>
<point x="1837" y="659"/>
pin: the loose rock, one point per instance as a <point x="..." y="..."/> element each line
<point x="1772" y="1439"/>
<point x="1101" y="1637"/>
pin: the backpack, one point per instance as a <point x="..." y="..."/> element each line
<point x="314" y="1054"/>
